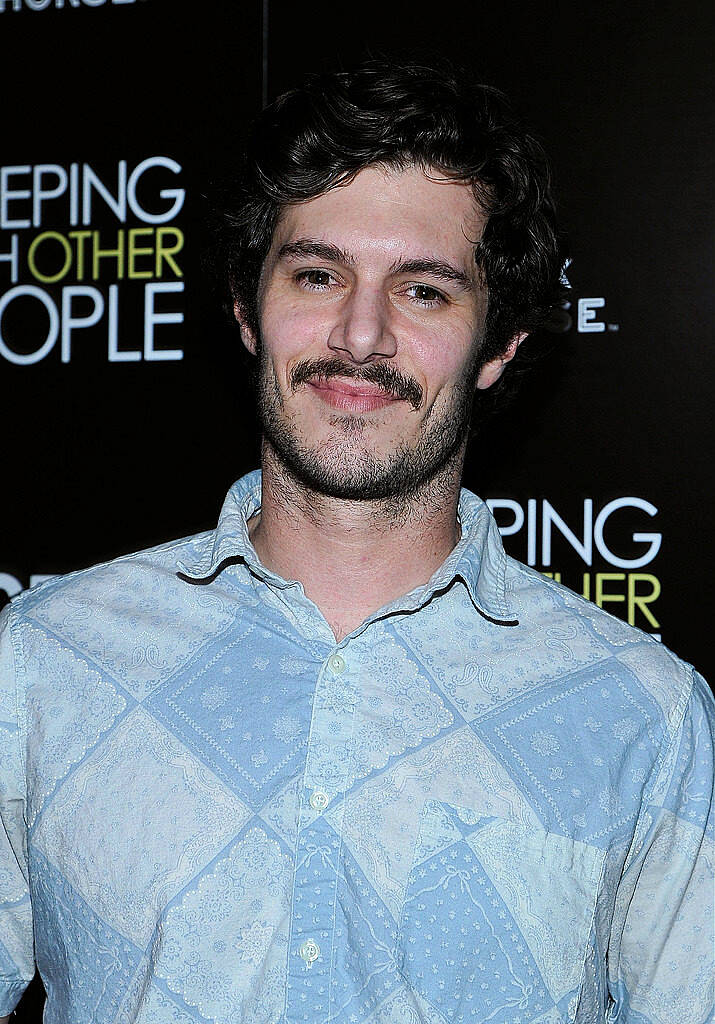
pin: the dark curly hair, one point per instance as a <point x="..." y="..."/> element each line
<point x="320" y="135"/>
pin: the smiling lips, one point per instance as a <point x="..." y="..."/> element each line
<point x="352" y="396"/>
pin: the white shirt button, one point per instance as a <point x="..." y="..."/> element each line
<point x="337" y="663"/>
<point x="318" y="800"/>
<point x="309" y="951"/>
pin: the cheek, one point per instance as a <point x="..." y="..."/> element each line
<point x="444" y="359"/>
<point x="290" y="336"/>
<point x="289" y="330"/>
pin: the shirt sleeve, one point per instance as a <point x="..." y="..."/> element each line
<point x="662" y="946"/>
<point x="16" y="943"/>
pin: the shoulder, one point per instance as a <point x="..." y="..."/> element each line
<point x="136" y="573"/>
<point x="582" y="635"/>
<point x="131" y="618"/>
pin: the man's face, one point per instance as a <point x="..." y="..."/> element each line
<point x="371" y="317"/>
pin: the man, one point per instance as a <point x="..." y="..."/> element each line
<point x="341" y="759"/>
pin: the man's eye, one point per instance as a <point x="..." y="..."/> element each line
<point x="425" y="295"/>
<point x="318" y="280"/>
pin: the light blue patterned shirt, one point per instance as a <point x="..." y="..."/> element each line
<point x="491" y="802"/>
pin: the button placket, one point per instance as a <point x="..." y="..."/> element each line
<point x="327" y="774"/>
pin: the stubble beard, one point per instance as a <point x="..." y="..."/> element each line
<point x="347" y="467"/>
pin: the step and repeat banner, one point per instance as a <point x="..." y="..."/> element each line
<point x="126" y="407"/>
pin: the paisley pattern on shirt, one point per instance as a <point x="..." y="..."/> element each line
<point x="491" y="802"/>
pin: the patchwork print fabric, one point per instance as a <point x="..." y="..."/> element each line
<point x="491" y="802"/>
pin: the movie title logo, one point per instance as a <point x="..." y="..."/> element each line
<point x="11" y="585"/>
<point x="74" y="243"/>
<point x="43" y="5"/>
<point x="537" y="527"/>
<point x="587" y="313"/>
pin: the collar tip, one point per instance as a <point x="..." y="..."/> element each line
<point x="191" y="572"/>
<point x="502" y="618"/>
<point x="509" y="618"/>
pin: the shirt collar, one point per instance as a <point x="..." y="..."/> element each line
<point x="478" y="559"/>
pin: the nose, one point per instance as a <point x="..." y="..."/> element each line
<point x="362" y="330"/>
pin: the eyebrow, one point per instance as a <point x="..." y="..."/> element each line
<point x="320" y="250"/>
<point x="307" y="247"/>
<point x="434" y="268"/>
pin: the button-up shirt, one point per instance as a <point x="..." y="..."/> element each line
<point x="490" y="802"/>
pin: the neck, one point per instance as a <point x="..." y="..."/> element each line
<point x="353" y="557"/>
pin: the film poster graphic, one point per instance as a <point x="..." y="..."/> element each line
<point x="605" y="551"/>
<point x="88" y="255"/>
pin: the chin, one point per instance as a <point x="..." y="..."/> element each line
<point x="334" y="471"/>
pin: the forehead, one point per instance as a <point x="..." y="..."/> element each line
<point x="390" y="213"/>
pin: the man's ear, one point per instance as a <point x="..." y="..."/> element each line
<point x="248" y="336"/>
<point x="492" y="371"/>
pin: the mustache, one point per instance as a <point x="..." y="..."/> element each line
<point x="382" y="374"/>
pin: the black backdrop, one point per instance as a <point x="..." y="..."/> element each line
<point x="127" y="429"/>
